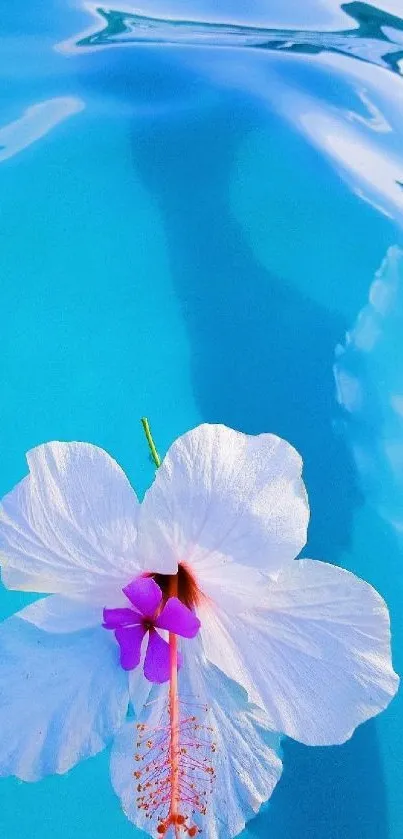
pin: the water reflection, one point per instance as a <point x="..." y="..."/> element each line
<point x="369" y="377"/>
<point x="36" y="121"/>
<point x="374" y="35"/>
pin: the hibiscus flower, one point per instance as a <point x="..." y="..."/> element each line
<point x="189" y="608"/>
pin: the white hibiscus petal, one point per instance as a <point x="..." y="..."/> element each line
<point x="62" y="698"/>
<point x="245" y="763"/>
<point x="17" y="580"/>
<point x="59" y="614"/>
<point x="234" y="587"/>
<point x="221" y="495"/>
<point x="139" y="687"/>
<point x="70" y="524"/>
<point x="314" y="653"/>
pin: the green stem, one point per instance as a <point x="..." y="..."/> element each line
<point x="147" y="431"/>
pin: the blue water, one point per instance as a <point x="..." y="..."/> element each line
<point x="194" y="200"/>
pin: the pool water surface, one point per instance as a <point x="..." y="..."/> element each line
<point x="195" y="200"/>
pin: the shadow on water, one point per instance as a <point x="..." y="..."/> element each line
<point x="327" y="793"/>
<point x="262" y="357"/>
<point x="262" y="353"/>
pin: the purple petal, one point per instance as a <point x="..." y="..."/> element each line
<point x="145" y="595"/>
<point x="157" y="660"/>
<point x="176" y="617"/>
<point x="113" y="618"/>
<point x="129" y="640"/>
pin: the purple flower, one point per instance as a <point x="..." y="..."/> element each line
<point x="131" y="626"/>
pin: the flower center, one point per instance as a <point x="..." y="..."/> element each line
<point x="147" y="625"/>
<point x="187" y="587"/>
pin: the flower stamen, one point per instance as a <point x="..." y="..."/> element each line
<point x="174" y="769"/>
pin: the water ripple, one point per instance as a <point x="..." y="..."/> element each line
<point x="36" y="121"/>
<point x="375" y="36"/>
<point x="368" y="372"/>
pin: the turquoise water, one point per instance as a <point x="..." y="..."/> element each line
<point x="192" y="215"/>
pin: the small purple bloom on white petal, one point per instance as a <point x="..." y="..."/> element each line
<point x="132" y="625"/>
